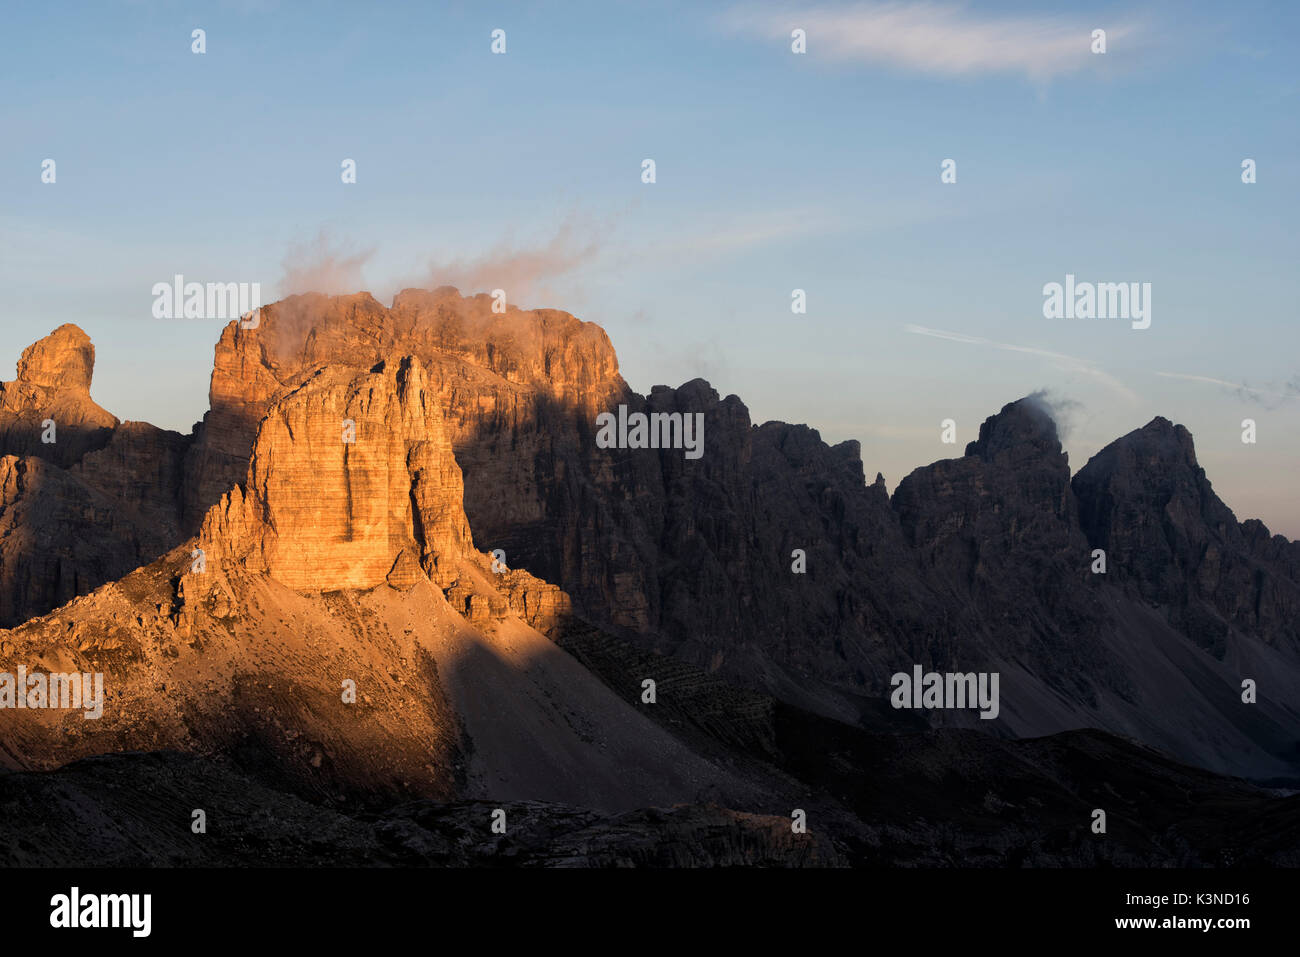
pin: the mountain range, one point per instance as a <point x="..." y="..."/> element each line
<point x="411" y="501"/>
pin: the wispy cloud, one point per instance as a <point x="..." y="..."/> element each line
<point x="1290" y="391"/>
<point x="321" y="265"/>
<point x="726" y="235"/>
<point x="938" y="38"/>
<point x="741" y="235"/>
<point x="1061" y="361"/>
<point x="720" y="237"/>
<point x="522" y="269"/>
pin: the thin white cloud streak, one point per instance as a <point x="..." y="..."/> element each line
<point x="1236" y="386"/>
<point x="938" y="38"/>
<point x="747" y="236"/>
<point x="1059" y="360"/>
<point x="722" y="237"/>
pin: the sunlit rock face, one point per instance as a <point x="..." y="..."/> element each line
<point x="47" y="410"/>
<point x="351" y="480"/>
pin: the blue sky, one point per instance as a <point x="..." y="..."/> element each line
<point x="775" y="171"/>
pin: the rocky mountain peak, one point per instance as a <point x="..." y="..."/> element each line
<point x="1152" y="468"/>
<point x="1021" y="432"/>
<point x="65" y="359"/>
<point x="53" y="390"/>
<point x="1149" y="505"/>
